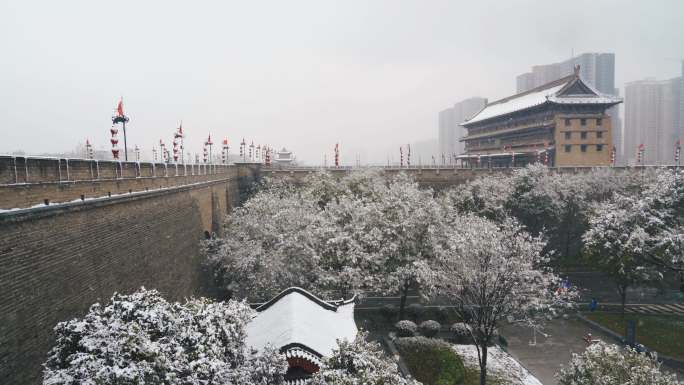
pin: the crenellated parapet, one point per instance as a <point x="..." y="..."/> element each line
<point x="31" y="181"/>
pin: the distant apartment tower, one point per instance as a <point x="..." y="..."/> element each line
<point x="653" y="117"/>
<point x="681" y="110"/>
<point x="450" y="129"/>
<point x="597" y="69"/>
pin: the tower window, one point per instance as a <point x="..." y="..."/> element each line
<point x="599" y="147"/>
<point x="583" y="148"/>
<point x="583" y="122"/>
<point x="583" y="135"/>
<point x="599" y="121"/>
<point x="568" y="134"/>
<point x="599" y="134"/>
<point x="567" y="122"/>
<point x="568" y="147"/>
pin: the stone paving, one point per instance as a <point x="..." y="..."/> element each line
<point x="544" y="359"/>
<point x="563" y="337"/>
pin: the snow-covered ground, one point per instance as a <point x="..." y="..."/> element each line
<point x="499" y="363"/>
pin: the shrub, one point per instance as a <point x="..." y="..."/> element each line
<point x="388" y="312"/>
<point x="461" y="333"/>
<point x="431" y="361"/>
<point x="415" y="311"/>
<point x="430" y="328"/>
<point x="611" y="364"/>
<point x="355" y="362"/>
<point x="406" y="328"/>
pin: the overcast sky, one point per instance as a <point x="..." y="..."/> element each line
<point x="301" y="74"/>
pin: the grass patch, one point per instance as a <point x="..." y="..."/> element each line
<point x="472" y="377"/>
<point x="431" y="361"/>
<point x="657" y="332"/>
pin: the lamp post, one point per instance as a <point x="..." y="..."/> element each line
<point x="209" y="143"/>
<point x="123" y="119"/>
<point x="178" y="144"/>
<point x="224" y="153"/>
<point x="89" y="150"/>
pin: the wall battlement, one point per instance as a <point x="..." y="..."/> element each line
<point x="27" y="182"/>
<point x="435" y="177"/>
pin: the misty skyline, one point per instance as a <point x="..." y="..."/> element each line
<point x="304" y="75"/>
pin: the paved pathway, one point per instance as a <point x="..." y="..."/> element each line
<point x="563" y="337"/>
<point x="544" y="359"/>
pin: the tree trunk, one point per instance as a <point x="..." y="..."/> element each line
<point x="567" y="244"/>
<point x="483" y="365"/>
<point x="623" y="297"/>
<point x="402" y="304"/>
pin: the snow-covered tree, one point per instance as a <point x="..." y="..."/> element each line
<point x="534" y="200"/>
<point x="490" y="272"/>
<point x="391" y="230"/>
<point x="618" y="242"/>
<point x="364" y="232"/>
<point x="604" y="364"/>
<point x="485" y="196"/>
<point x="663" y="199"/>
<point x="270" y="246"/>
<point x="639" y="233"/>
<point x="143" y="339"/>
<point x="359" y="362"/>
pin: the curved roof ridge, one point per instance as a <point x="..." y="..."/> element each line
<point x="328" y="305"/>
<point x="557" y="82"/>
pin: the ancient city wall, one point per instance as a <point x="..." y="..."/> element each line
<point x="58" y="259"/>
<point x="26" y="182"/>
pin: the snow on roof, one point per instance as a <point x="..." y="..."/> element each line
<point x="553" y="92"/>
<point x="296" y="317"/>
<point x="516" y="104"/>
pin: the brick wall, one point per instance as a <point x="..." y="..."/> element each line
<point x="26" y="182"/>
<point x="57" y="260"/>
<point x="568" y="135"/>
<point x="40" y="170"/>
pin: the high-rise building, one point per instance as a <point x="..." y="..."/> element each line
<point x="450" y="129"/>
<point x="681" y="110"/>
<point x="597" y="69"/>
<point x="653" y="119"/>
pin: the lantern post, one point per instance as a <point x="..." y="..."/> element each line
<point x="123" y="119"/>
<point x="208" y="143"/>
<point x="224" y="151"/>
<point x="89" y="150"/>
<point x="678" y="152"/>
<point x="337" y="155"/>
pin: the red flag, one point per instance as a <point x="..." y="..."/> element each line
<point x="119" y="108"/>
